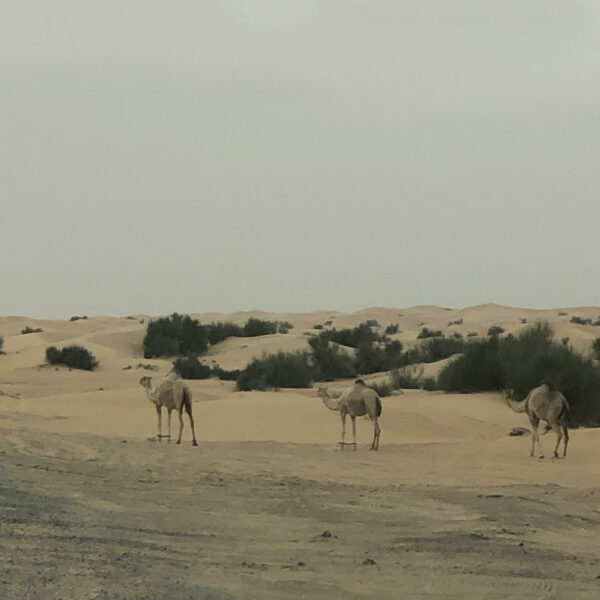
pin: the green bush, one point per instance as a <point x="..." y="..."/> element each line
<point x="31" y="330"/>
<point x="75" y="356"/>
<point x="226" y="375"/>
<point x="429" y="333"/>
<point x="595" y="347"/>
<point x="256" y="327"/>
<point x="273" y="371"/>
<point x="495" y="330"/>
<point x="175" y="336"/>
<point x="284" y="326"/>
<point x="581" y="321"/>
<point x="392" y="329"/>
<point x="521" y="363"/>
<point x="407" y="378"/>
<point x="218" y="332"/>
<point x="1" y="344"/>
<point x="353" y="337"/>
<point x="191" y="368"/>
<point x="328" y="361"/>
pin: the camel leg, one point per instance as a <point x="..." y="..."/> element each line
<point x="188" y="410"/>
<point x="376" y="434"/>
<point x="169" y="411"/>
<point x="566" y="434"/>
<point x="180" y="415"/>
<point x="534" y="434"/>
<point x="353" y="430"/>
<point x="559" y="436"/>
<point x="537" y="437"/>
<point x="343" y="415"/>
<point x="159" y="413"/>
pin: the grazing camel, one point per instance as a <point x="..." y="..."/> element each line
<point x="544" y="403"/>
<point x="356" y="401"/>
<point x="172" y="393"/>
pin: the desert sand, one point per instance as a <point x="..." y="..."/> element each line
<point x="268" y="507"/>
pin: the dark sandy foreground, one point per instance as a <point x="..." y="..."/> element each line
<point x="79" y="520"/>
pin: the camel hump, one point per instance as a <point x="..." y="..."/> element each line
<point x="549" y="384"/>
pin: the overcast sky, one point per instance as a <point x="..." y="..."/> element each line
<point x="180" y="155"/>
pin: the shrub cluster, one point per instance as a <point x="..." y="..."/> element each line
<point x="582" y="321"/>
<point x="190" y="367"/>
<point x="495" y="330"/>
<point x="180" y="336"/>
<point x="1" y="344"/>
<point x="76" y="318"/>
<point x="175" y="336"/>
<point x="284" y="369"/>
<point x="429" y="333"/>
<point x="520" y="363"/>
<point x="31" y="330"/>
<point x="75" y="356"/>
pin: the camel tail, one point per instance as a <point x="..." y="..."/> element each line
<point x="379" y="407"/>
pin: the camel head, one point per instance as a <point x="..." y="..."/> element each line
<point x="146" y="382"/>
<point x="322" y="391"/>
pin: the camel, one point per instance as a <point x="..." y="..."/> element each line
<point x="172" y="393"/>
<point x="544" y="403"/>
<point x="355" y="401"/>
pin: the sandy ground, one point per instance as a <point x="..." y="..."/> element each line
<point x="267" y="506"/>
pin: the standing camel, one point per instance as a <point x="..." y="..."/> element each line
<point x="172" y="393"/>
<point x="544" y="403"/>
<point x="356" y="401"/>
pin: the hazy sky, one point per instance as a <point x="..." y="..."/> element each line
<point x="180" y="155"/>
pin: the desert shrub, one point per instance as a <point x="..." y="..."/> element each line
<point x="190" y="367"/>
<point x="372" y="323"/>
<point x="53" y="355"/>
<point x="495" y="330"/>
<point x="74" y="356"/>
<point x="377" y="357"/>
<point x="595" y="347"/>
<point x="580" y="321"/>
<point x="328" y="322"/>
<point x="457" y="322"/>
<point x="392" y="329"/>
<point x="76" y="318"/>
<point x="430" y="384"/>
<point x="383" y="389"/>
<point x="318" y="326"/>
<point x="284" y="326"/>
<point x="428" y="333"/>
<point x="561" y="313"/>
<point x="272" y="371"/>
<point x="175" y="336"/>
<point x="408" y="378"/>
<point x="434" y="349"/>
<point x="217" y="332"/>
<point x="521" y="363"/>
<point x="1" y="344"/>
<point x="225" y="375"/>
<point x="353" y="337"/>
<point x="328" y="361"/>
<point x="28" y="329"/>
<point x="256" y="327"/>
<point x="472" y="334"/>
